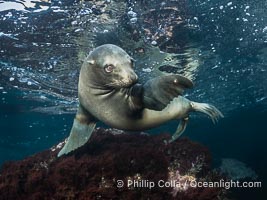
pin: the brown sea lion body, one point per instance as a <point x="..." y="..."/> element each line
<point x="109" y="92"/>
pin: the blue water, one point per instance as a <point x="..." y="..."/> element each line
<point x="39" y="48"/>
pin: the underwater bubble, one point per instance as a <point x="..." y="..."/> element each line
<point x="78" y="30"/>
<point x="146" y="70"/>
<point x="9" y="14"/>
<point x="133" y="20"/>
<point x="154" y="42"/>
<point x="43" y="97"/>
<point x="74" y="23"/>
<point x="132" y="14"/>
<point x="216" y="66"/>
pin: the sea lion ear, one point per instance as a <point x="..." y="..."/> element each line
<point x="91" y="62"/>
<point x="132" y="59"/>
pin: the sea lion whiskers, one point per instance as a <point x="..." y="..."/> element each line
<point x="118" y="84"/>
<point x="111" y="85"/>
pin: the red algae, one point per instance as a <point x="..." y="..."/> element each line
<point x="93" y="171"/>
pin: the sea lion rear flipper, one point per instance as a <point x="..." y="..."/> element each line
<point x="159" y="91"/>
<point x="180" y="129"/>
<point x="81" y="131"/>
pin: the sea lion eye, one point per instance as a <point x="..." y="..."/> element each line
<point x="109" y="68"/>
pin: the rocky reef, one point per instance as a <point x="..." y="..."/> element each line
<point x="113" y="165"/>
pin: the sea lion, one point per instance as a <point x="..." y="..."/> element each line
<point x="109" y="91"/>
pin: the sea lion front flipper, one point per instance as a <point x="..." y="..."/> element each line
<point x="81" y="131"/>
<point x="180" y="129"/>
<point x="159" y="91"/>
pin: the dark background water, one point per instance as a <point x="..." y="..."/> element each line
<point x="38" y="97"/>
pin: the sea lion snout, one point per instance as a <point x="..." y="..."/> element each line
<point x="132" y="80"/>
<point x="128" y="78"/>
<point x="133" y="77"/>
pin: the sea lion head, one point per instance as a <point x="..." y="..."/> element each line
<point x="111" y="66"/>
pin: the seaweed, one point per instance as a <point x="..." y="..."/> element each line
<point x="92" y="171"/>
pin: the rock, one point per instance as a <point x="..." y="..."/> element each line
<point x="237" y="170"/>
<point x="93" y="171"/>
